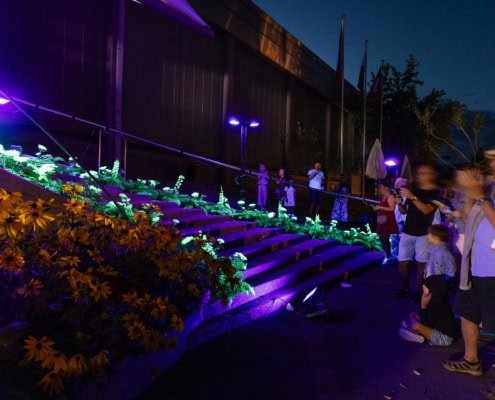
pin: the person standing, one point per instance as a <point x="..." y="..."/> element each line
<point x="339" y="212"/>
<point x="385" y="221"/>
<point x="475" y="300"/>
<point x="262" y="186"/>
<point x="290" y="197"/>
<point x="280" y="184"/>
<point x="400" y="219"/>
<point x="420" y="212"/>
<point x="316" y="177"/>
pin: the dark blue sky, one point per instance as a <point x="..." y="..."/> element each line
<point x="454" y="40"/>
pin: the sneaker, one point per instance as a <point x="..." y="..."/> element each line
<point x="402" y="293"/>
<point x="406" y="334"/>
<point x="463" y="366"/>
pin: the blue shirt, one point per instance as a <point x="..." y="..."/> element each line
<point x="483" y="253"/>
<point x="440" y="261"/>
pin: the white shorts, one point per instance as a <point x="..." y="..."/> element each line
<point x="413" y="247"/>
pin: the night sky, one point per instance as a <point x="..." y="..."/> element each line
<point x="454" y="41"/>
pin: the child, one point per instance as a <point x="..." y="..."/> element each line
<point x="262" y="186"/>
<point x="290" y="197"/>
<point x="436" y="321"/>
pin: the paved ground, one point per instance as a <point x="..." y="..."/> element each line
<point x="354" y="354"/>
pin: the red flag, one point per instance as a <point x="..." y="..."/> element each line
<point x="376" y="89"/>
<point x="340" y="58"/>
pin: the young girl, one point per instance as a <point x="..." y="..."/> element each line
<point x="262" y="186"/>
<point x="385" y="221"/>
<point x="290" y="197"/>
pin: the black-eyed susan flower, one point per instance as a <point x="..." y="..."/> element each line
<point x="30" y="289"/>
<point x="11" y="259"/>
<point x="38" y="350"/>
<point x="10" y="227"/>
<point x="100" y="360"/>
<point x="56" y="361"/>
<point x="78" y="364"/>
<point x="177" y="323"/>
<point x="135" y="331"/>
<point x="69" y="261"/>
<point x="99" y="290"/>
<point x="52" y="383"/>
<point x="45" y="258"/>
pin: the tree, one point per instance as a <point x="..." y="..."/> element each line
<point x="403" y="132"/>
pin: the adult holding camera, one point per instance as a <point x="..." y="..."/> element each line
<point x="416" y="203"/>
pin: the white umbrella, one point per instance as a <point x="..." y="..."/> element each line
<point x="375" y="167"/>
<point x="406" y="171"/>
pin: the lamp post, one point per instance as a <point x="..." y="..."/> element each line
<point x="243" y="125"/>
<point x="393" y="163"/>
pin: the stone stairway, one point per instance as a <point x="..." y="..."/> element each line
<point x="281" y="267"/>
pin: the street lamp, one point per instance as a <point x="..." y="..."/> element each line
<point x="393" y="163"/>
<point x="244" y="125"/>
<point x="4" y="101"/>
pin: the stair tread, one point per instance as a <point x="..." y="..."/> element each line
<point x="249" y="249"/>
<point x="214" y="227"/>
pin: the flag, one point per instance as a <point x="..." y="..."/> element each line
<point x="340" y="58"/>
<point x="362" y="71"/>
<point x="376" y="89"/>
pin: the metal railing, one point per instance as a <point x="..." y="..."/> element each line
<point x="103" y="129"/>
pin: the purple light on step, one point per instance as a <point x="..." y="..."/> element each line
<point x="233" y="121"/>
<point x="4" y="101"/>
<point x="391" y="162"/>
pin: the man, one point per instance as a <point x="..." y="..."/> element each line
<point x="475" y="301"/>
<point x="416" y="203"/>
<point x="316" y="177"/>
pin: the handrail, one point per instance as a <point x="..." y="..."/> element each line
<point x="107" y="129"/>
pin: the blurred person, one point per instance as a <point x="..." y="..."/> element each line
<point x="316" y="177"/>
<point x="290" y="197"/>
<point x="280" y="184"/>
<point x="475" y="300"/>
<point x="419" y="210"/>
<point x="339" y="211"/>
<point x="399" y="218"/>
<point x="385" y="221"/>
<point x="262" y="186"/>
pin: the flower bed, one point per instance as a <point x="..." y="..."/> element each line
<point x="82" y="291"/>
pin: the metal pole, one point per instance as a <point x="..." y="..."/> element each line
<point x="125" y="158"/>
<point x="243" y="160"/>
<point x="364" y="118"/>
<point x="99" y="149"/>
<point x="342" y="103"/>
<point x="381" y="104"/>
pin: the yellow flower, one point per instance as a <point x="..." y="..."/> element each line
<point x="100" y="290"/>
<point x="34" y="214"/>
<point x="10" y="226"/>
<point x="177" y="323"/>
<point x="104" y="220"/>
<point x="132" y="299"/>
<point x="11" y="259"/>
<point x="72" y="190"/>
<point x="141" y="216"/>
<point x="45" y="257"/>
<point x="135" y="331"/>
<point x="78" y="364"/>
<point x="100" y="360"/>
<point x="75" y="206"/>
<point x="38" y="350"/>
<point x="68" y="261"/>
<point x="56" y="361"/>
<point x="96" y="256"/>
<point x="80" y="235"/>
<point x="159" y="308"/>
<point x="107" y="271"/>
<point x="52" y="383"/>
<point x="130" y="318"/>
<point x="30" y="289"/>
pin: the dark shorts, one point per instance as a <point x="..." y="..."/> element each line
<point x="315" y="196"/>
<point x="478" y="303"/>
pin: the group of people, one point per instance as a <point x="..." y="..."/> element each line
<point x="450" y="235"/>
<point x="285" y="192"/>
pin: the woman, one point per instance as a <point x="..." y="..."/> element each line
<point x="280" y="183"/>
<point x="339" y="211"/>
<point x="385" y="221"/>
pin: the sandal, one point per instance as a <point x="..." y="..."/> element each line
<point x="463" y="367"/>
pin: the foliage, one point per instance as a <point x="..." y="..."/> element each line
<point x="81" y="290"/>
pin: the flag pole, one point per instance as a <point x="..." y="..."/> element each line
<point x="381" y="104"/>
<point x="342" y="81"/>
<point x="363" y="178"/>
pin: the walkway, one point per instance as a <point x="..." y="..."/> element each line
<point x="355" y="354"/>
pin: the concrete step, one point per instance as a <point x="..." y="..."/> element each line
<point x="249" y="236"/>
<point x="199" y="220"/>
<point x="274" y="280"/>
<point x="178" y="213"/>
<point x="283" y="257"/>
<point x="165" y="205"/>
<point x="274" y="301"/>
<point x="138" y="198"/>
<point x="220" y="229"/>
<point x="265" y="246"/>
